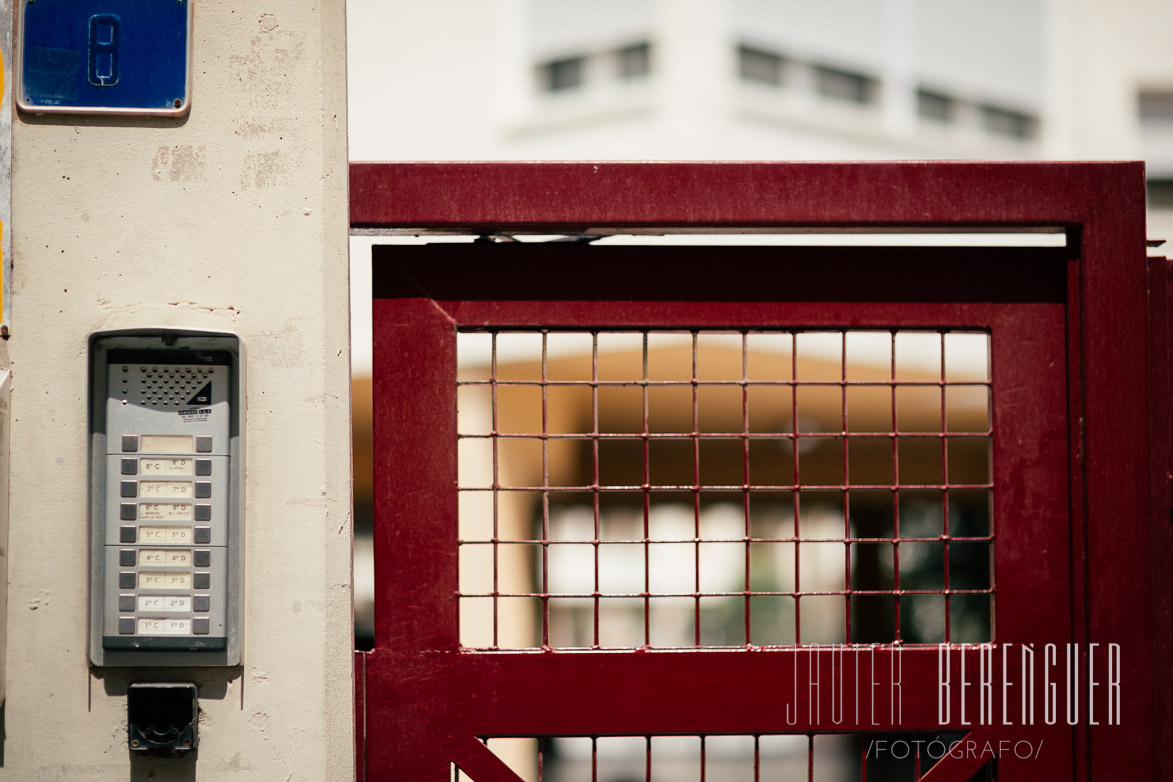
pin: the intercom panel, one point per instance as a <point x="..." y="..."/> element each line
<point x="166" y="498"/>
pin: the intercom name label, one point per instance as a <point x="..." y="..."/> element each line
<point x="180" y="536"/>
<point x="165" y="557"/>
<point x="164" y="627"/>
<point x="152" y="511"/>
<point x="165" y="466"/>
<point x="170" y="490"/>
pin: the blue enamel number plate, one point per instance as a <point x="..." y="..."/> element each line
<point x="105" y="56"/>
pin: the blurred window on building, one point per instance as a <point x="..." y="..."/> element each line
<point x="935" y="106"/>
<point x="759" y="66"/>
<point x="1010" y="123"/>
<point x="845" y="85"/>
<point x="1160" y="192"/>
<point x="1156" y="106"/>
<point x="635" y="61"/>
<point x="1155" y="116"/>
<point x="562" y="75"/>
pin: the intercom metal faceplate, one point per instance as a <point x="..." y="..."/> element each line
<point x="166" y="498"/>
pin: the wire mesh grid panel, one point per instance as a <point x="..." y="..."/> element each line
<point x="703" y="488"/>
<point x="810" y="757"/>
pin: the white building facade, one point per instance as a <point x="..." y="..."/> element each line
<point x="763" y="79"/>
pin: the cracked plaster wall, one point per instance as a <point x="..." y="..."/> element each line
<point x="231" y="218"/>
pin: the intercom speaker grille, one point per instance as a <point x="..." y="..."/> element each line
<point x="163" y="385"/>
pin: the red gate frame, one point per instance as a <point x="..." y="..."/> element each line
<point x="1121" y="541"/>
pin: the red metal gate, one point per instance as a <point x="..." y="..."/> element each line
<point x="1036" y="514"/>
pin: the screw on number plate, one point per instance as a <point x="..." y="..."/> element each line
<point x="178" y="102"/>
<point x="133" y="743"/>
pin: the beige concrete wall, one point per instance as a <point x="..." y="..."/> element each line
<point x="232" y="218"/>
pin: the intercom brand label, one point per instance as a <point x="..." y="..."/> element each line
<point x="203" y="396"/>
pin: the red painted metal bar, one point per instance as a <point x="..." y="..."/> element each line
<point x="481" y="765"/>
<point x="696" y="278"/>
<point x="895" y="495"/>
<point x="945" y="494"/>
<point x="569" y="197"/>
<point x="1075" y="424"/>
<point x="1117" y="510"/>
<point x="846" y="467"/>
<point x="1160" y="301"/>
<point x="950" y="769"/>
<point x="1030" y="491"/>
<point x="360" y="716"/>
<point x="704" y="691"/>
<point x="415" y="505"/>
